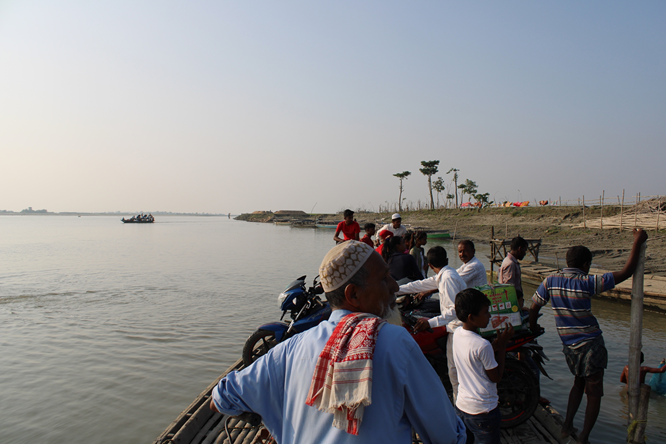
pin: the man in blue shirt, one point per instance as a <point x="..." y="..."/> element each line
<point x="406" y="392"/>
<point x="569" y="293"/>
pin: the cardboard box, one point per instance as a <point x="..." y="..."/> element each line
<point x="503" y="308"/>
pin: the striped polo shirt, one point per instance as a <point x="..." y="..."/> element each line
<point x="570" y="293"/>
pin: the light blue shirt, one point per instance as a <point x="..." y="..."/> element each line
<point x="406" y="393"/>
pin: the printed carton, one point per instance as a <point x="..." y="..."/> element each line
<point x="503" y="308"/>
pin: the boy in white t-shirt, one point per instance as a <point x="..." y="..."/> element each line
<point x="480" y="366"/>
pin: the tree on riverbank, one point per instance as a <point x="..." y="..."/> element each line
<point x="429" y="169"/>
<point x="469" y="188"/>
<point x="455" y="181"/>
<point x="401" y="176"/>
<point x="438" y="186"/>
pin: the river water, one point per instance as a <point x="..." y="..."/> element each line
<point x="108" y="331"/>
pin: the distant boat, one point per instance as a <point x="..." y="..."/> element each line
<point x="326" y="226"/>
<point x="441" y="234"/>
<point x="133" y="220"/>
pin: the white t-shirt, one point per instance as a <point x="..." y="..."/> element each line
<point x="473" y="355"/>
<point x="400" y="231"/>
<point x="473" y="273"/>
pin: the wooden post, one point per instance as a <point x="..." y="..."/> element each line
<point x="455" y="230"/>
<point x="557" y="260"/>
<point x="621" y="209"/>
<point x="560" y="201"/>
<point x="584" y="223"/>
<point x="638" y="196"/>
<point x="635" y="343"/>
<point x="643" y="404"/>
<point x="506" y="229"/>
<point x="601" y="199"/>
<point x="658" y="213"/>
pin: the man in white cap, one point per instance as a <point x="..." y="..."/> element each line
<point x="351" y="379"/>
<point x="395" y="226"/>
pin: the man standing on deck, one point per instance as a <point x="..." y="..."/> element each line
<point x="509" y="272"/>
<point x="472" y="270"/>
<point x="449" y="284"/>
<point x="395" y="226"/>
<point x="388" y="386"/>
<point x="570" y="292"/>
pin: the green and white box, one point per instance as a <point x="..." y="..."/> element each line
<point x="503" y="308"/>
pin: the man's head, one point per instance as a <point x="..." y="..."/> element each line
<point x="437" y="257"/>
<point x="369" y="229"/>
<point x="579" y="257"/>
<point x="472" y="308"/>
<point x="348" y="216"/>
<point x="466" y="250"/>
<point x="356" y="278"/>
<point x="396" y="220"/>
<point x="518" y="247"/>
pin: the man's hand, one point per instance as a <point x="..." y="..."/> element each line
<point x="421" y="324"/>
<point x="640" y="236"/>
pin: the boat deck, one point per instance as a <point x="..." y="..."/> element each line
<point x="198" y="424"/>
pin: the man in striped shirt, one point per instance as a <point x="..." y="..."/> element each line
<point x="569" y="293"/>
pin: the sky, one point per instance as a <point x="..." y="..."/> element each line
<point x="218" y="106"/>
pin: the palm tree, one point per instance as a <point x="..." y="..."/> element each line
<point x="401" y="176"/>
<point x="455" y="181"/>
<point x="429" y="169"/>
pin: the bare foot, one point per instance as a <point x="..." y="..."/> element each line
<point x="567" y="432"/>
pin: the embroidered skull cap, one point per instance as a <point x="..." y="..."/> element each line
<point x="342" y="262"/>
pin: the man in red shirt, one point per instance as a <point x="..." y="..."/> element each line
<point x="349" y="228"/>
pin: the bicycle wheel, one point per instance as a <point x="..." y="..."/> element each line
<point x="518" y="393"/>
<point x="258" y="345"/>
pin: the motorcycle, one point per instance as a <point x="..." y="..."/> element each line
<point x="518" y="391"/>
<point x="306" y="310"/>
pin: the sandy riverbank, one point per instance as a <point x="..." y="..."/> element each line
<point x="556" y="226"/>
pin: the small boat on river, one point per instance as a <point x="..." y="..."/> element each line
<point x="139" y="219"/>
<point x="439" y="234"/>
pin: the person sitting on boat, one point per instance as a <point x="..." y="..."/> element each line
<point x="570" y="294"/>
<point x="472" y="270"/>
<point x="420" y="239"/>
<point x="402" y="266"/>
<point x="369" y="232"/>
<point x="349" y="228"/>
<point x="395" y="226"/>
<point x="449" y="284"/>
<point x="384" y="386"/>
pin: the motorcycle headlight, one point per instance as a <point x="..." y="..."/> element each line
<point x="281" y="299"/>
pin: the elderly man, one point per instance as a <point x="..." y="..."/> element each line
<point x="395" y="226"/>
<point x="472" y="270"/>
<point x="449" y="284"/>
<point x="389" y="386"/>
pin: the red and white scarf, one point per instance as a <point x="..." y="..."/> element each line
<point x="342" y="381"/>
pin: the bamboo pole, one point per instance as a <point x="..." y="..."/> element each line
<point x="601" y="199"/>
<point x="557" y="261"/>
<point x="635" y="343"/>
<point x="621" y="209"/>
<point x="638" y="197"/>
<point x="658" y="213"/>
<point x="584" y="223"/>
<point x="455" y="230"/>
<point x="643" y="404"/>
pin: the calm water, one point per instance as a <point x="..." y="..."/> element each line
<point x="108" y="331"/>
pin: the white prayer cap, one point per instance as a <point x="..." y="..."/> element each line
<point x="342" y="262"/>
<point x="395" y="216"/>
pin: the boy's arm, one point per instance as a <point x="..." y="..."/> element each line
<point x="624" y="375"/>
<point x="499" y="345"/>
<point x="336" y="238"/>
<point x="640" y="237"/>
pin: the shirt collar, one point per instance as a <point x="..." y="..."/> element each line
<point x="512" y="257"/>
<point x="336" y="315"/>
<point x="572" y="270"/>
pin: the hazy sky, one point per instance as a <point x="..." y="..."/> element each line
<point x="215" y="106"/>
